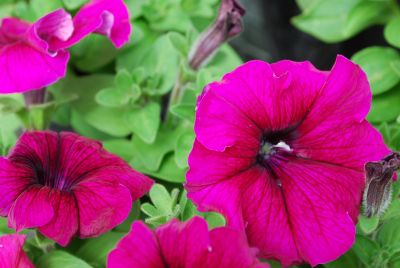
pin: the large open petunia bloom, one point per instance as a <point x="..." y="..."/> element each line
<point x="66" y="185"/>
<point x="12" y="254"/>
<point x="280" y="150"/>
<point x="34" y="55"/>
<point x="185" y="245"/>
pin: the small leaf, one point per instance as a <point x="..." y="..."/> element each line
<point x="59" y="258"/>
<point x="161" y="199"/>
<point x="123" y="79"/>
<point x="168" y="171"/>
<point x="392" y="30"/>
<point x="348" y="260"/>
<point x="183" y="147"/>
<point x="145" y="121"/>
<point x="380" y="65"/>
<point x="368" y="225"/>
<point x="385" y="106"/>
<point x="184" y="111"/>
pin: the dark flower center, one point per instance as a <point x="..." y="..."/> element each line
<point x="274" y="143"/>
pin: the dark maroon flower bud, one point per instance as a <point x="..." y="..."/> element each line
<point x="228" y="24"/>
<point x="378" y="190"/>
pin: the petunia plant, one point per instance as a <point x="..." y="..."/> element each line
<point x="133" y="135"/>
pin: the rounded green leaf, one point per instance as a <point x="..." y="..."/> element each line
<point x="392" y="32"/>
<point x="59" y="258"/>
<point x="368" y="225"/>
<point x="385" y="107"/>
<point x="145" y="121"/>
<point x="381" y="64"/>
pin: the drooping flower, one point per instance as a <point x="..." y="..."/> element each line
<point x="12" y="254"/>
<point x="184" y="245"/>
<point x="280" y="150"/>
<point x="33" y="56"/>
<point x="66" y="185"/>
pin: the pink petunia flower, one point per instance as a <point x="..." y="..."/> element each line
<point x="33" y="56"/>
<point x="280" y="151"/>
<point x="185" y="245"/>
<point x="12" y="254"/>
<point x="66" y="185"/>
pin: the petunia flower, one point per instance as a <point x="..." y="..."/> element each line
<point x="35" y="55"/>
<point x="186" y="245"/>
<point x="66" y="185"/>
<point x="12" y="254"/>
<point x="280" y="150"/>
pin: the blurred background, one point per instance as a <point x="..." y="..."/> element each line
<point x="270" y="35"/>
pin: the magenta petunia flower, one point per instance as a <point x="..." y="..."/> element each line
<point x="12" y="254"/>
<point x="33" y="56"/>
<point x="280" y="150"/>
<point x="66" y="185"/>
<point x="184" y="245"/>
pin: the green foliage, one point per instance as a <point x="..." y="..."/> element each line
<point x="337" y="20"/>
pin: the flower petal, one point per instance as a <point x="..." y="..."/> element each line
<point x="102" y="206"/>
<point x="11" y="252"/>
<point x="57" y="24"/>
<point x="322" y="203"/>
<point x="65" y="221"/>
<point x="13" y="181"/>
<point x="230" y="249"/>
<point x="351" y="145"/>
<point x="184" y="244"/>
<point x="31" y="209"/>
<point x="139" y="249"/>
<point x="24" y="68"/>
<point x="255" y="99"/>
<point x="106" y="17"/>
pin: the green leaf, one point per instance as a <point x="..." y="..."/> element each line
<point x="92" y="53"/>
<point x="164" y="206"/>
<point x="145" y="121"/>
<point x="214" y="219"/>
<point x="365" y="249"/>
<point x="389" y="235"/>
<point x="121" y="147"/>
<point x="392" y="30"/>
<point x="337" y="20"/>
<point x="169" y="171"/>
<point x="385" y="106"/>
<point x="183" y="146"/>
<point x="59" y="258"/>
<point x="368" y="225"/>
<point x="73" y="4"/>
<point x="381" y="65"/>
<point x="85" y="129"/>
<point x="96" y="250"/>
<point x="107" y="120"/>
<point x="184" y="111"/>
<point x="123" y="80"/>
<point x="42" y="7"/>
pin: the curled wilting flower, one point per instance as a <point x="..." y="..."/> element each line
<point x="66" y="185"/>
<point x="12" y="254"/>
<point x="378" y="190"/>
<point x="280" y="150"/>
<point x="33" y="56"/>
<point x="185" y="245"/>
